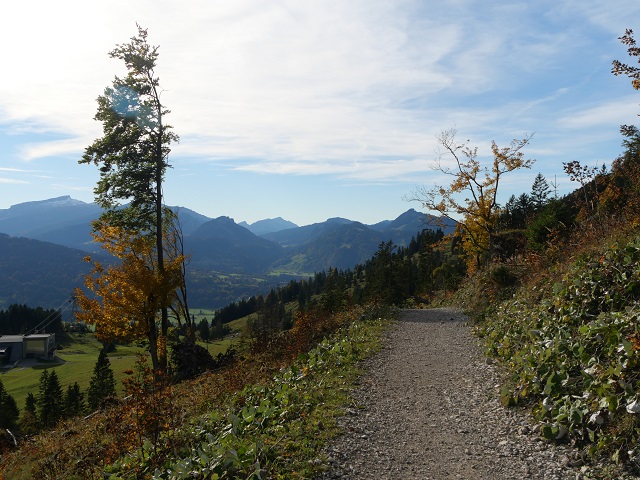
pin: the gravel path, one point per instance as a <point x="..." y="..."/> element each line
<point x="428" y="408"/>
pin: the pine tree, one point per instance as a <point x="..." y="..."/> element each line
<point x="29" y="420"/>
<point x="50" y="401"/>
<point x="203" y="329"/>
<point x="102" y="385"/>
<point x="9" y="412"/>
<point x="540" y="192"/>
<point x="73" y="401"/>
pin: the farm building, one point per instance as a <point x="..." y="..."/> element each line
<point x="17" y="347"/>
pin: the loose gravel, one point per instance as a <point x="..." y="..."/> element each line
<point x="428" y="408"/>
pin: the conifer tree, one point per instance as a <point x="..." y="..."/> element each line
<point x="29" y="420"/>
<point x="203" y="330"/>
<point x="50" y="401"/>
<point x="103" y="385"/>
<point x="384" y="276"/>
<point x="9" y="412"/>
<point x="540" y="192"/>
<point x="73" y="401"/>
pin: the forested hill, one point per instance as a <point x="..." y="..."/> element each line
<point x="38" y="273"/>
<point x="226" y="260"/>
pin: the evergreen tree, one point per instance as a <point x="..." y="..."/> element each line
<point x="219" y="330"/>
<point x="19" y="319"/>
<point x="9" y="412"/>
<point x="384" y="275"/>
<point x="515" y="213"/>
<point x="539" y="192"/>
<point x="74" y="401"/>
<point x="102" y="385"/>
<point x="334" y="295"/>
<point x="29" y="420"/>
<point x="203" y="330"/>
<point x="50" y="401"/>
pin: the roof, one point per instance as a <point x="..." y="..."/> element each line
<point x="11" y="338"/>
<point x="21" y="338"/>
<point x="39" y="335"/>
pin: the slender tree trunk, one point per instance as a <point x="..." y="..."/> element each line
<point x="153" y="344"/>
<point x="164" y="324"/>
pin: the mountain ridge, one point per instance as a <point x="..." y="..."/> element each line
<point x="224" y="257"/>
<point x="268" y="225"/>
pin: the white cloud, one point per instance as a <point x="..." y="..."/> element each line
<point x="12" y="181"/>
<point x="354" y="89"/>
<point x="67" y="147"/>
<point x="614" y="113"/>
<point x="612" y="16"/>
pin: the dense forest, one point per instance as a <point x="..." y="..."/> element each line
<point x="22" y="320"/>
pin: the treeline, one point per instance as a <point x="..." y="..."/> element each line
<point x="393" y="275"/>
<point x="51" y="404"/>
<point x="543" y="224"/>
<point x="537" y="223"/>
<point x="21" y="319"/>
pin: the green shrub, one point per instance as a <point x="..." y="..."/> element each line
<point x="574" y="356"/>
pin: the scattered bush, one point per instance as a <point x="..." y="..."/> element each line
<point x="188" y="360"/>
<point x="575" y="355"/>
<point x="160" y="426"/>
<point x="503" y="277"/>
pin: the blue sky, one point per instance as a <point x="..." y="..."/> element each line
<point x="310" y="109"/>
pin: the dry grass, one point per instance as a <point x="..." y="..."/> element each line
<point x="80" y="448"/>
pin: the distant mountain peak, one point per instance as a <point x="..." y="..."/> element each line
<point x="268" y="225"/>
<point x="63" y="201"/>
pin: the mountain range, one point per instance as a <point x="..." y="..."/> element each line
<point x="252" y="255"/>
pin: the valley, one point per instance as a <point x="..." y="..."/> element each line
<point x="42" y="245"/>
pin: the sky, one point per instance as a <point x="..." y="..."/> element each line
<point x="312" y="109"/>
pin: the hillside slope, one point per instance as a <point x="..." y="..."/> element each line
<point x="47" y="279"/>
<point x="568" y="338"/>
<point x="225" y="246"/>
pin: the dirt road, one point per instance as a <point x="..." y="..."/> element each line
<point x="428" y="408"/>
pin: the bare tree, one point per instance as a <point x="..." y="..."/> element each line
<point x="471" y="197"/>
<point x="175" y="249"/>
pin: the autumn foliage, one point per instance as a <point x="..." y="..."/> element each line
<point x="124" y="298"/>
<point x="472" y="196"/>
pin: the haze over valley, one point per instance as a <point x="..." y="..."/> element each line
<point x="43" y="243"/>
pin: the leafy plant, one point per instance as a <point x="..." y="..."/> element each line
<point x="273" y="428"/>
<point x="574" y="355"/>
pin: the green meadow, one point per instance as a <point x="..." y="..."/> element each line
<point x="77" y="355"/>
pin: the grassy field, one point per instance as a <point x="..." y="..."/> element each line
<point x="78" y="353"/>
<point x="77" y="357"/>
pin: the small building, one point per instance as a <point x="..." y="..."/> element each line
<point x="17" y="347"/>
<point x="11" y="348"/>
<point x="39" y="345"/>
